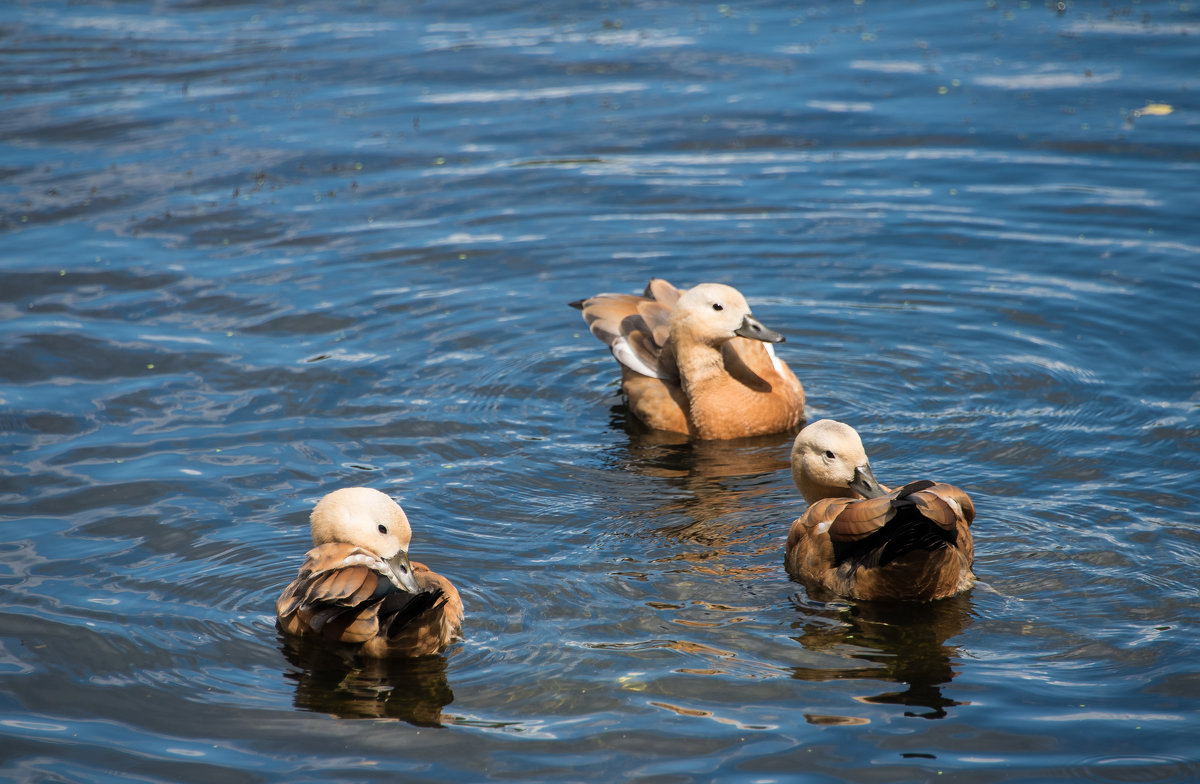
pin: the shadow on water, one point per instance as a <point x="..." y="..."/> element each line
<point x="339" y="683"/>
<point x="901" y="643"/>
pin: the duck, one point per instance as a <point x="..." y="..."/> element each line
<point x="860" y="540"/>
<point x="357" y="585"/>
<point x="697" y="362"/>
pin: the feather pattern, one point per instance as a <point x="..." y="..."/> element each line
<point x="346" y="594"/>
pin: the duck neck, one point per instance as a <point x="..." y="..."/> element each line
<point x="814" y="491"/>
<point x="698" y="361"/>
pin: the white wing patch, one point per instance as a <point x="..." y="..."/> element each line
<point x="629" y="358"/>
<point x="774" y="359"/>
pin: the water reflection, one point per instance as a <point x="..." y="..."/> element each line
<point x="715" y="502"/>
<point x="334" y="681"/>
<point x="897" y="643"/>
<point x="659" y="453"/>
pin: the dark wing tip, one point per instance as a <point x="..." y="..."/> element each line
<point x="415" y="606"/>
<point x="914" y="487"/>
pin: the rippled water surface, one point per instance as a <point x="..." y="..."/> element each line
<point x="250" y="253"/>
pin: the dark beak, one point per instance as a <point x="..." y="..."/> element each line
<point x="402" y="570"/>
<point x="864" y="482"/>
<point x="752" y="328"/>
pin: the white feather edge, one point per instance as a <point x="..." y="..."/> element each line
<point x="776" y="361"/>
<point x="372" y="562"/>
<point x="625" y="354"/>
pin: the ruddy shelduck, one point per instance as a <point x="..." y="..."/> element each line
<point x="859" y="540"/>
<point x="357" y="585"/>
<point x="697" y="361"/>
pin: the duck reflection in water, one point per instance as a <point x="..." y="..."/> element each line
<point x="339" y="683"/>
<point x="718" y="505"/>
<point x="660" y="453"/>
<point x="904" y="643"/>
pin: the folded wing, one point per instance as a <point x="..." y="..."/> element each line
<point x="343" y="593"/>
<point x="913" y="543"/>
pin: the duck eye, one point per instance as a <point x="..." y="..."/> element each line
<point x="383" y="529"/>
<point x="828" y="454"/>
<point x="718" y="306"/>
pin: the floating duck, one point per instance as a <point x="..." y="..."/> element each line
<point x="697" y="361"/>
<point x="860" y="540"/>
<point x="357" y="585"/>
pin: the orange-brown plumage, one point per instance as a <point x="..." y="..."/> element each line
<point x="697" y="362"/>
<point x="357" y="586"/>
<point x="859" y="540"/>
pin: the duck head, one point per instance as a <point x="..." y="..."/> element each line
<point x="369" y="519"/>
<point x="714" y="313"/>
<point x="828" y="461"/>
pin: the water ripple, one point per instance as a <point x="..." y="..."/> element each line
<point x="252" y="255"/>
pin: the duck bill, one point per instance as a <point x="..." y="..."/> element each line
<point x="752" y="328"/>
<point x="402" y="572"/>
<point x="864" y="482"/>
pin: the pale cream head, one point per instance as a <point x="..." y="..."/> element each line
<point x="363" y="517"/>
<point x="828" y="461"/>
<point x="713" y="313"/>
<point x="370" y="520"/>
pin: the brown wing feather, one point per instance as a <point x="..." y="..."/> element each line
<point x="643" y="323"/>
<point x="824" y="511"/>
<point x="341" y="585"/>
<point x="809" y="554"/>
<point x="662" y="291"/>
<point x="945" y="505"/>
<point x="349" y="624"/>
<point x="657" y="320"/>
<point x="918" y="574"/>
<point x="935" y="509"/>
<point x="452" y="610"/>
<point x="327" y="557"/>
<point x="658" y="403"/>
<point x="861" y="518"/>
<point x="331" y="597"/>
<point x="606" y="314"/>
<point x="960" y="497"/>
<point x="428" y="632"/>
<point x="361" y="628"/>
<point x="317" y="561"/>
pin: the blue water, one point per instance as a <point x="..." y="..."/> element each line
<point x="250" y="253"/>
